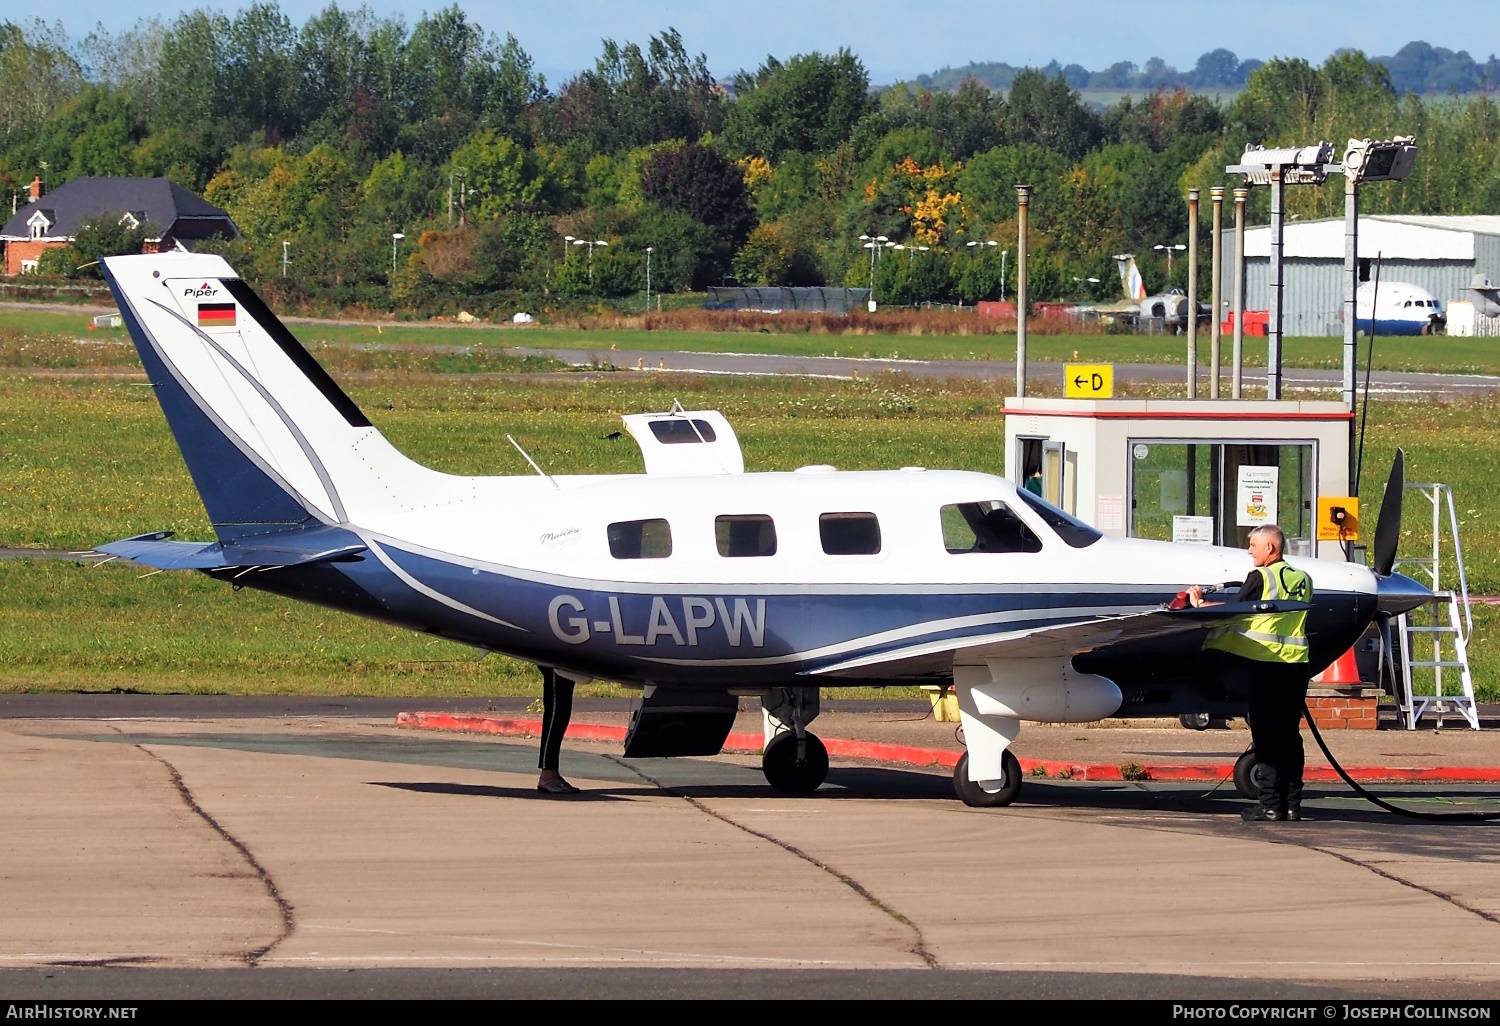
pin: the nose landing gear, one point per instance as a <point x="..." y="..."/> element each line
<point x="971" y="794"/>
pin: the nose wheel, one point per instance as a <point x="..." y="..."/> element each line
<point x="786" y="772"/>
<point x="973" y="795"/>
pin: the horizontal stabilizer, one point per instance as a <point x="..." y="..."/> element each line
<point x="1061" y="641"/>
<point x="285" y="548"/>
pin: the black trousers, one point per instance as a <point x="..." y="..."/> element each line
<point x="557" y="710"/>
<point x="1277" y="692"/>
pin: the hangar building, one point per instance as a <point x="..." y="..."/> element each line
<point x="1441" y="254"/>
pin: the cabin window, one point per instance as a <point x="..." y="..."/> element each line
<point x="1408" y="302"/>
<point x="640" y="539"/>
<point x="849" y="534"/>
<point x="986" y="527"/>
<point x="680" y="430"/>
<point x="745" y="534"/>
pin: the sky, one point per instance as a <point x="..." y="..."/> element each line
<point x="900" y="40"/>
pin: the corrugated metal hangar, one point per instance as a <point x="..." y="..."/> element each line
<point x="1441" y="254"/>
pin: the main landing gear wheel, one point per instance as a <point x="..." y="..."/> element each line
<point x="1196" y="721"/>
<point x="785" y="774"/>
<point x="973" y="795"/>
<point x="1247" y="775"/>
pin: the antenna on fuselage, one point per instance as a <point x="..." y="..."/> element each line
<point x="525" y="455"/>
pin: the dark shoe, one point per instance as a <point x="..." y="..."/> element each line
<point x="1260" y="815"/>
<point x="556" y="786"/>
<point x="1294" y="814"/>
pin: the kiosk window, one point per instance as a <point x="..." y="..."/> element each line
<point x="679" y="431"/>
<point x="849" y="534"/>
<point x="986" y="527"/>
<point x="745" y="534"/>
<point x="640" y="539"/>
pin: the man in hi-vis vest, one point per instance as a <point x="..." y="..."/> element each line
<point x="1272" y="646"/>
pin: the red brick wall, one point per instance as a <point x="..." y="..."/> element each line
<point x="15" y="252"/>
<point x="1344" y="713"/>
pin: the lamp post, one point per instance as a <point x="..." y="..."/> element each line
<point x="1178" y="248"/>
<point x="284" y="245"/>
<point x="1003" y="254"/>
<point x="396" y="238"/>
<point x="648" y="278"/>
<point x="873" y="243"/>
<point x="1081" y="281"/>
<point x="590" y="244"/>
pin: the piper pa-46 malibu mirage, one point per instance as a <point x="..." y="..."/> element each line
<point x="695" y="581"/>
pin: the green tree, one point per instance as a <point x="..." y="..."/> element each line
<point x="704" y="184"/>
<point x="809" y="104"/>
<point x="1049" y="112"/>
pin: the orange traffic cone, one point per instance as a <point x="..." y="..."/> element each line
<point x="1343" y="670"/>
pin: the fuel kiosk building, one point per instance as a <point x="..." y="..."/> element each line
<point x="1193" y="471"/>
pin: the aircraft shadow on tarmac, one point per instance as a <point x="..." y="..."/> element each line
<point x="1337" y="817"/>
<point x="488" y="791"/>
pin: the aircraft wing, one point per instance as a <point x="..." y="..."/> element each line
<point x="1061" y="641"/>
<point x="284" y="548"/>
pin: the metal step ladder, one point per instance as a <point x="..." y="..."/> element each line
<point x="1446" y="621"/>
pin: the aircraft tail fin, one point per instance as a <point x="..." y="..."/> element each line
<point x="1130" y="277"/>
<point x="271" y="441"/>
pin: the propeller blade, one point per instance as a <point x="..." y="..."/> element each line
<point x="1388" y="527"/>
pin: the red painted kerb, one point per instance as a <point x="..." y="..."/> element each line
<point x="912" y="755"/>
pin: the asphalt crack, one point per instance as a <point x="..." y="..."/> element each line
<point x="284" y="907"/>
<point x="919" y="945"/>
<point x="1457" y="903"/>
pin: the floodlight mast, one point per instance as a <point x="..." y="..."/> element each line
<point x="1293" y="165"/>
<point x="1365" y="160"/>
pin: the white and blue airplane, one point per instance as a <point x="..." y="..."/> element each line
<point x="1399" y="309"/>
<point x="695" y="582"/>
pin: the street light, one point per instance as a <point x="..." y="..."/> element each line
<point x="1278" y="168"/>
<point x="396" y="238"/>
<point x="284" y="245"/>
<point x="1091" y="281"/>
<point x="648" y="278"/>
<point x="873" y="243"/>
<point x="1178" y="248"/>
<point x="986" y="242"/>
<point x="590" y="245"/>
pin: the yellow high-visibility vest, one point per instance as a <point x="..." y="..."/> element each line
<point x="1270" y="637"/>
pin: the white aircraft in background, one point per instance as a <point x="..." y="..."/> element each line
<point x="696" y="582"/>
<point x="1400" y="309"/>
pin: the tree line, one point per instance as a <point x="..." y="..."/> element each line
<point x="328" y="140"/>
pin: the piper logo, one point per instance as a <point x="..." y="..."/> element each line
<point x="200" y="292"/>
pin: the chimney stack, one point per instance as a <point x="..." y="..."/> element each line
<point x="36" y="188"/>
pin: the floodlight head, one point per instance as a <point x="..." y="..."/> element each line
<point x="600" y="242"/>
<point x="397" y="236"/>
<point x="650" y="248"/>
<point x="971" y="244"/>
<point x="992" y="242"/>
<point x="883" y="238"/>
<point x="1298" y="165"/>
<point x="567" y="238"/>
<point x="1383" y="160"/>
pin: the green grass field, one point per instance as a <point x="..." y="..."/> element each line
<point x="88" y="460"/>
<point x="1437" y="353"/>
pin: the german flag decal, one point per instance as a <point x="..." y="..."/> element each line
<point x="215" y="315"/>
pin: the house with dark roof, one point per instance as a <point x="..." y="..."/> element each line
<point x="52" y="219"/>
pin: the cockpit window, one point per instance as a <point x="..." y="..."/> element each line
<point x="1068" y="527"/>
<point x="986" y="527"/>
